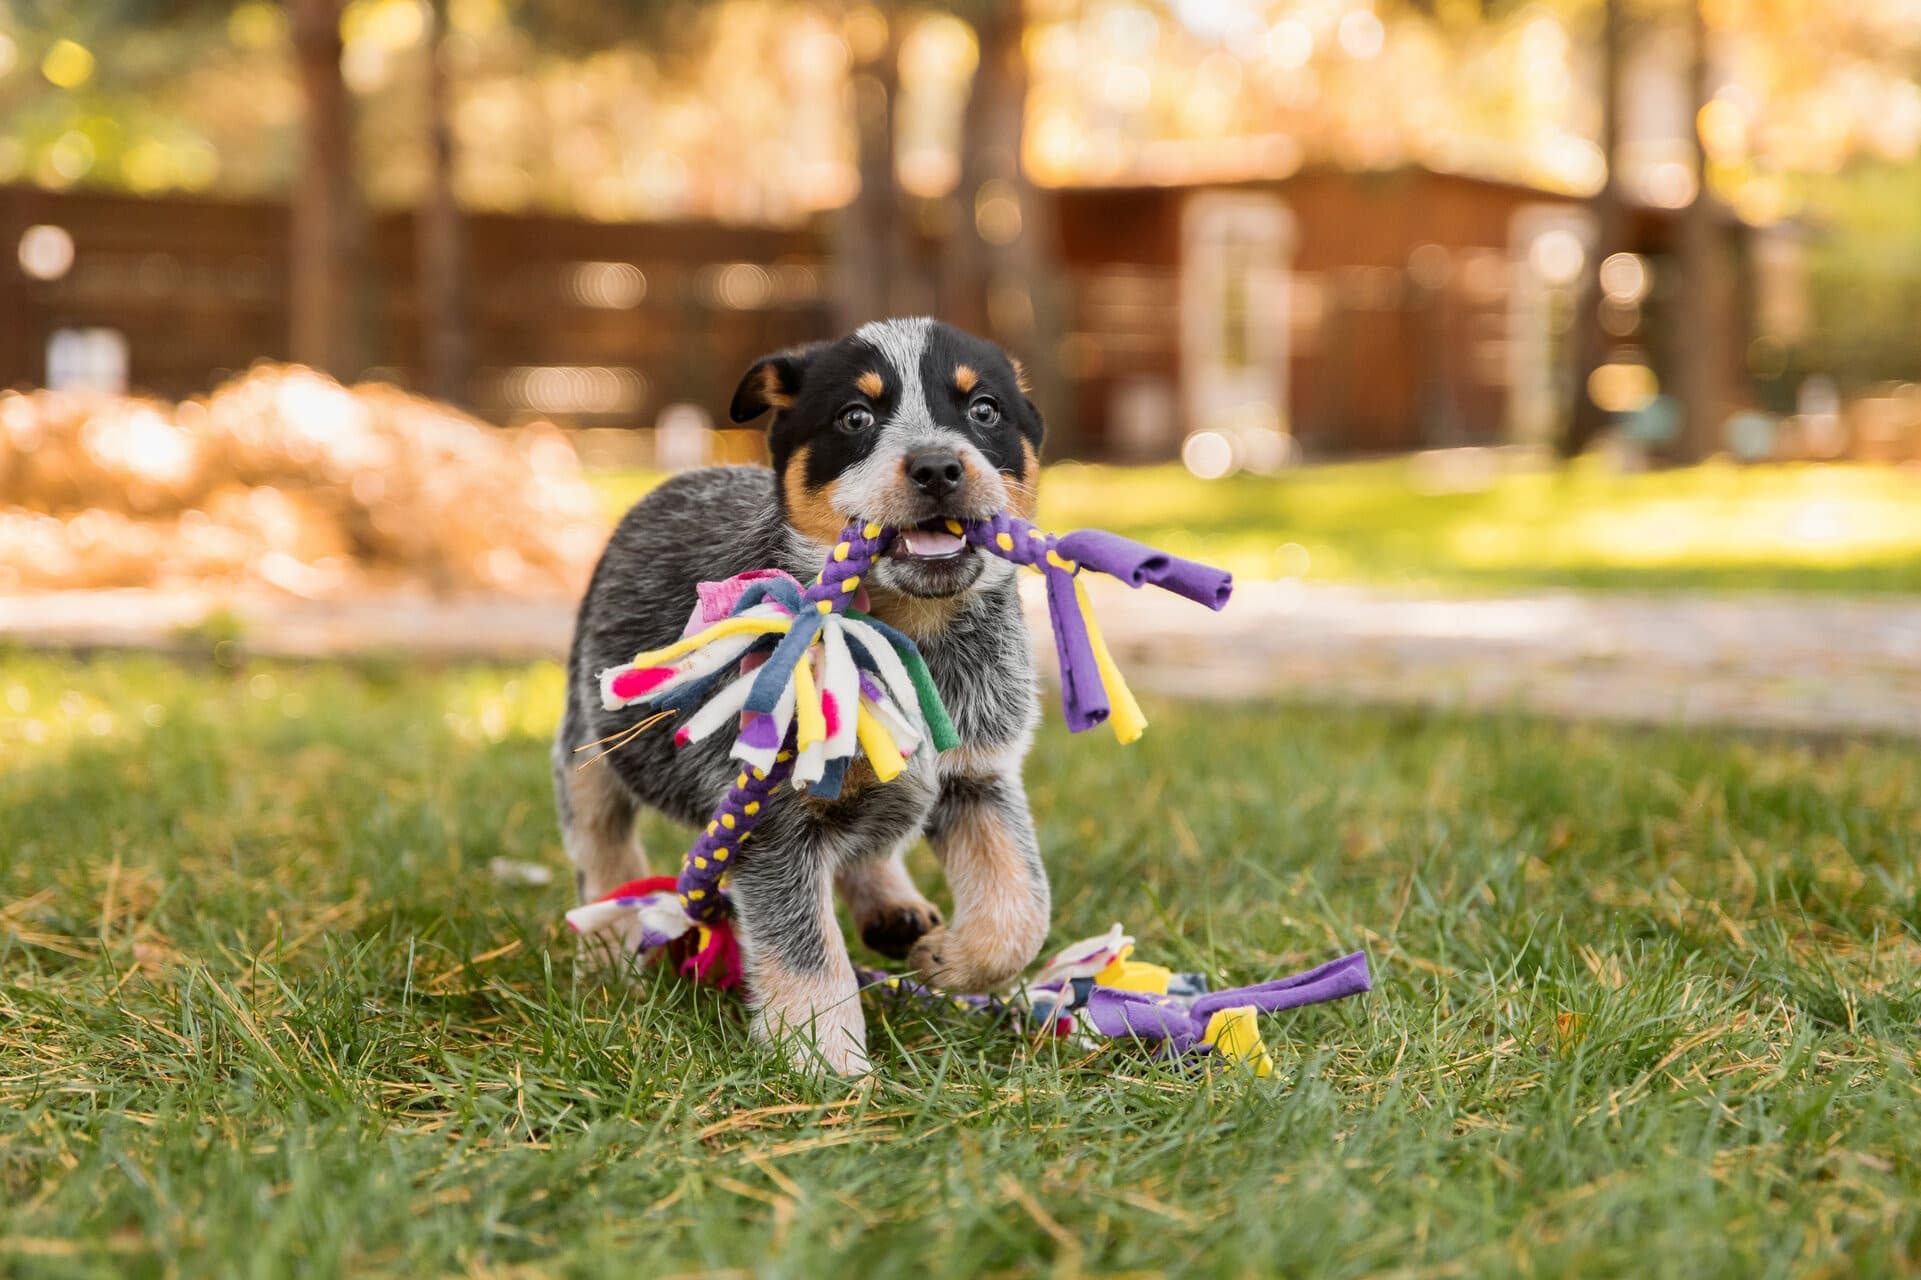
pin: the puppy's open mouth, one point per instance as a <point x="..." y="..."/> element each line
<point x="931" y="561"/>
<point x="930" y="544"/>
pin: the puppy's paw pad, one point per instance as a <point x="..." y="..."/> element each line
<point x="894" y="930"/>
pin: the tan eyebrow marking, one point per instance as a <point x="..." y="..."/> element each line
<point x="870" y="384"/>
<point x="965" y="378"/>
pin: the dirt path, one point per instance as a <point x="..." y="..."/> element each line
<point x="1806" y="663"/>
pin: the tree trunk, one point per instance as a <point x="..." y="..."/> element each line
<point x="326" y="237"/>
<point x="440" y="242"/>
<point x="1703" y="346"/>
<point x="869" y="241"/>
<point x="1585" y="419"/>
<point x="998" y="273"/>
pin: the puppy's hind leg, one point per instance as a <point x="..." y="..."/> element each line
<point x="596" y="821"/>
<point x="799" y="979"/>
<point x="890" y="914"/>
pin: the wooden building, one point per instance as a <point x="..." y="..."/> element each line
<point x="1355" y="312"/>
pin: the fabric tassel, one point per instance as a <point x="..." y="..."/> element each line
<point x="756" y="625"/>
<point x="762" y="737"/>
<point x="882" y="751"/>
<point x="776" y="676"/>
<point x="1083" y="697"/>
<point x="1125" y="714"/>
<point x="940" y="729"/>
<point x="810" y="726"/>
<point x="839" y="690"/>
<point x="832" y="777"/>
<point x="1139" y="565"/>
<point x="882" y="656"/>
<point x="1115" y="1012"/>
<point x="720" y="710"/>
<point x="715" y="959"/>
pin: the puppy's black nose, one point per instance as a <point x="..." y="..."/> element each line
<point x="935" y="473"/>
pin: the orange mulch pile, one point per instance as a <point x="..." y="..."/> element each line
<point x="285" y="477"/>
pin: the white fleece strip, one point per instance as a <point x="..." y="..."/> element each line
<point x="783" y="713"/>
<point x="906" y="736"/>
<point x="840" y="677"/>
<point x="721" y="709"/>
<point x="893" y="672"/>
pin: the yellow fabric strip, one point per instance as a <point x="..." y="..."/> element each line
<point x="810" y="725"/>
<point x="882" y="751"/>
<point x="725" y="627"/>
<point x="1236" y="1035"/>
<point x="1124" y="714"/>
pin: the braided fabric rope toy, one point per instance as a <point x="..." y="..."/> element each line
<point x="813" y="684"/>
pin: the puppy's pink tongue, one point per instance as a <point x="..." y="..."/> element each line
<point x="927" y="544"/>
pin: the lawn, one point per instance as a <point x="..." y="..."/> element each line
<point x="1466" y="522"/>
<point x="1647" y="1005"/>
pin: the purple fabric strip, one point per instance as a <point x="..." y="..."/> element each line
<point x="1138" y="565"/>
<point x="1334" y="980"/>
<point x="1152" y="1017"/>
<point x="1133" y="1013"/>
<point x="1083" y="697"/>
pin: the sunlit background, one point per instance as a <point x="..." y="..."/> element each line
<point x="1631" y="282"/>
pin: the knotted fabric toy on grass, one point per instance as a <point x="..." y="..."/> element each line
<point x="810" y="684"/>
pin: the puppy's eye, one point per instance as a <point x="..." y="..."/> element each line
<point x="984" y="412"/>
<point x="855" y="418"/>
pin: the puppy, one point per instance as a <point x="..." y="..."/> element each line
<point x="904" y="422"/>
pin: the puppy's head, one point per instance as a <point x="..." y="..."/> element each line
<point x="908" y="423"/>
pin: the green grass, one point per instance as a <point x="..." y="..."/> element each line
<point x="1647" y="1005"/>
<point x="1803" y="528"/>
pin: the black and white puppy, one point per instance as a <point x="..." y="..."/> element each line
<point x="904" y="422"/>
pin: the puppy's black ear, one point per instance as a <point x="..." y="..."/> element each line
<point x="772" y="383"/>
<point x="1035" y="426"/>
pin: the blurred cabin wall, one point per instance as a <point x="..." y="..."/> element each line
<point x="1394" y="321"/>
<point x="1356" y="312"/>
<point x="599" y="323"/>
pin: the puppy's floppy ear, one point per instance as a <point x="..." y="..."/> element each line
<point x="772" y="383"/>
<point x="1038" y="431"/>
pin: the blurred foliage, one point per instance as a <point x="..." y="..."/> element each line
<point x="1864" y="273"/>
<point x="636" y="109"/>
<point x="640" y="107"/>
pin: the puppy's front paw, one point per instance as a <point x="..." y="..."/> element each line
<point x="893" y="929"/>
<point x="975" y="961"/>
